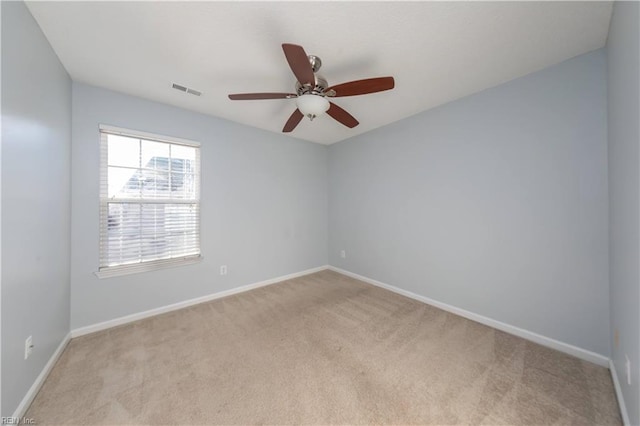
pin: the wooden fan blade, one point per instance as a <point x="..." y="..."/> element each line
<point x="293" y="121"/>
<point x="342" y="116"/>
<point x="362" y="87"/>
<point x="255" y="96"/>
<point x="299" y="63"/>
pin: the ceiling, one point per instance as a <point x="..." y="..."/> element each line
<point x="436" y="51"/>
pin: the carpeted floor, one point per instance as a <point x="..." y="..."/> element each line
<point x="320" y="349"/>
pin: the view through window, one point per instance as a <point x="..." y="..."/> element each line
<point x="149" y="204"/>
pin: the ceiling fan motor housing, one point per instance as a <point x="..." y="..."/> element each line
<point x="318" y="89"/>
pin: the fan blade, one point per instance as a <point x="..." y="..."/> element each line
<point x="254" y="96"/>
<point x="342" y="116"/>
<point x="299" y="63"/>
<point x="362" y="87"/>
<point x="293" y="121"/>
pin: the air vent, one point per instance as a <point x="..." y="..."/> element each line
<point x="186" y="89"/>
<point x="178" y="87"/>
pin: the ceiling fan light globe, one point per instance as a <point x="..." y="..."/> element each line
<point x="312" y="105"/>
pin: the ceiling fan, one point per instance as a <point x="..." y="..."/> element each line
<point x="312" y="90"/>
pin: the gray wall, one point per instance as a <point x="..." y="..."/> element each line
<point x="495" y="203"/>
<point x="263" y="211"/>
<point x="36" y="146"/>
<point x="623" y="55"/>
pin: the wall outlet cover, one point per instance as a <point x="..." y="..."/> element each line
<point x="627" y="364"/>
<point x="28" y="347"/>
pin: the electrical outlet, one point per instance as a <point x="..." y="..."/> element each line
<point x="223" y="270"/>
<point x="343" y="254"/>
<point x="628" y="365"/>
<point x="28" y="347"/>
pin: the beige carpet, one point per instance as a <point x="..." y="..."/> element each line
<point x="321" y="349"/>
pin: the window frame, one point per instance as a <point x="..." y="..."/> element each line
<point x="149" y="265"/>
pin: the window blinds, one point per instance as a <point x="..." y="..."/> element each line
<point x="149" y="199"/>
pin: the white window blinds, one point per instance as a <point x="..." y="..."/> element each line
<point x="149" y="200"/>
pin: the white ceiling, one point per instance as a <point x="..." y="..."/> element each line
<point x="436" y="51"/>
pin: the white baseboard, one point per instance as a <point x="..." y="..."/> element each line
<point x="525" y="334"/>
<point x="175" y="306"/>
<point x="35" y="387"/>
<point x="616" y="385"/>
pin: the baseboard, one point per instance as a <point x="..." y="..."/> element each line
<point x="35" y="387"/>
<point x="180" y="305"/>
<point x="616" y="385"/>
<point x="507" y="328"/>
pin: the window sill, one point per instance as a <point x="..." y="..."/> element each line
<point x="116" y="271"/>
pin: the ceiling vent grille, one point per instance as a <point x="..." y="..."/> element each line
<point x="186" y="89"/>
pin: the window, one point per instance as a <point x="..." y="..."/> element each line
<point x="149" y="201"/>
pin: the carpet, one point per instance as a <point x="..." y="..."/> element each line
<point x="319" y="349"/>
